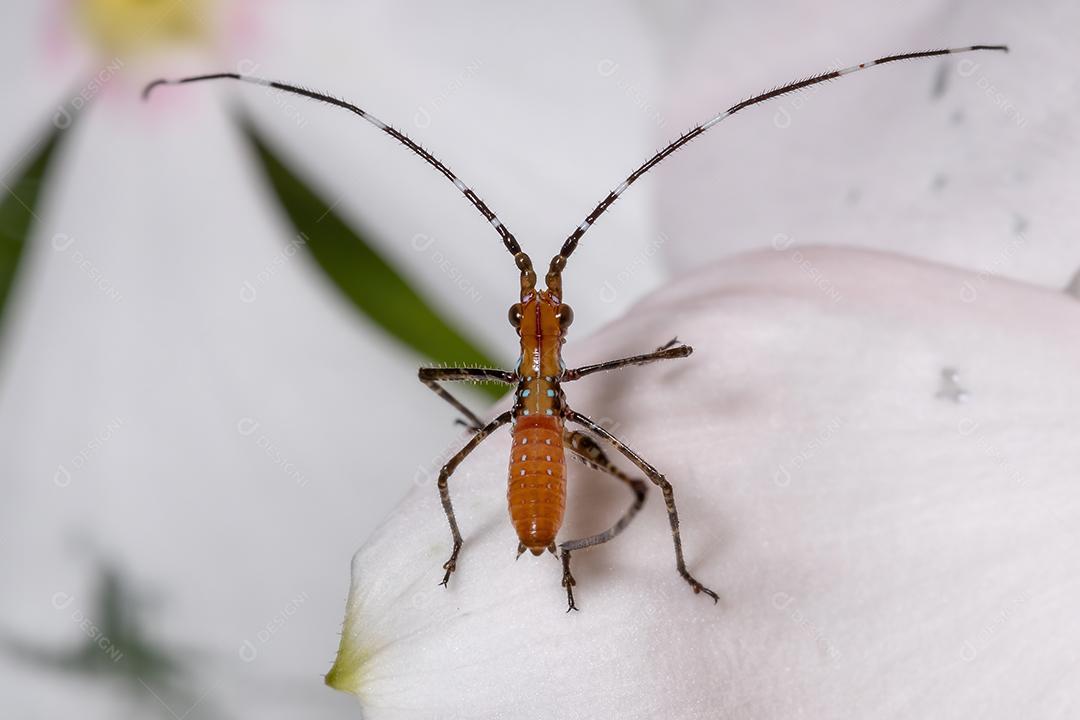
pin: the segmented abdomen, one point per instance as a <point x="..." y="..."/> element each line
<point x="536" y="491"/>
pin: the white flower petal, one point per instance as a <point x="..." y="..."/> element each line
<point x="201" y="442"/>
<point x="878" y="550"/>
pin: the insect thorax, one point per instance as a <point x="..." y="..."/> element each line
<point x="540" y="366"/>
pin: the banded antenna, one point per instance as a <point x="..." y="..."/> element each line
<point x="508" y="239"/>
<point x="559" y="261"/>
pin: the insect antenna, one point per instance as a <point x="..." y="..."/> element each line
<point x="559" y="261"/>
<point x="508" y="238"/>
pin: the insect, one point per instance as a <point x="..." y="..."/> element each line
<point x="540" y="416"/>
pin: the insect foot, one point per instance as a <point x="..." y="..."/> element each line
<point x="450" y="565"/>
<point x="568" y="581"/>
<point x="669" y="344"/>
<point x="699" y="588"/>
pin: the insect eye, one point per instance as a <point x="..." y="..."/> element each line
<point x="566" y="316"/>
<point x="515" y="314"/>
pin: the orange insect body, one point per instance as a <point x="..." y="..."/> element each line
<point x="536" y="487"/>
<point x="536" y="491"/>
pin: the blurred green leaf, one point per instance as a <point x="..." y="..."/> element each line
<point x="18" y="208"/>
<point x="118" y="648"/>
<point x="368" y="280"/>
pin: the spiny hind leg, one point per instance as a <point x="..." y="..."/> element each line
<point x="444" y="489"/>
<point x="431" y="377"/>
<point x="665" y="487"/>
<point x="588" y="451"/>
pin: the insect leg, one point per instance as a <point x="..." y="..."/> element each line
<point x="589" y="452"/>
<point x="665" y="487"/>
<point x="433" y="376"/>
<point x="673" y="349"/>
<point x="444" y="490"/>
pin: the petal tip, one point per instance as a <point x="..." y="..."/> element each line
<point x="341" y="677"/>
<point x="347" y="672"/>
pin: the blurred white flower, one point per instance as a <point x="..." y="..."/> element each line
<point x="880" y="549"/>
<point x="226" y="456"/>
